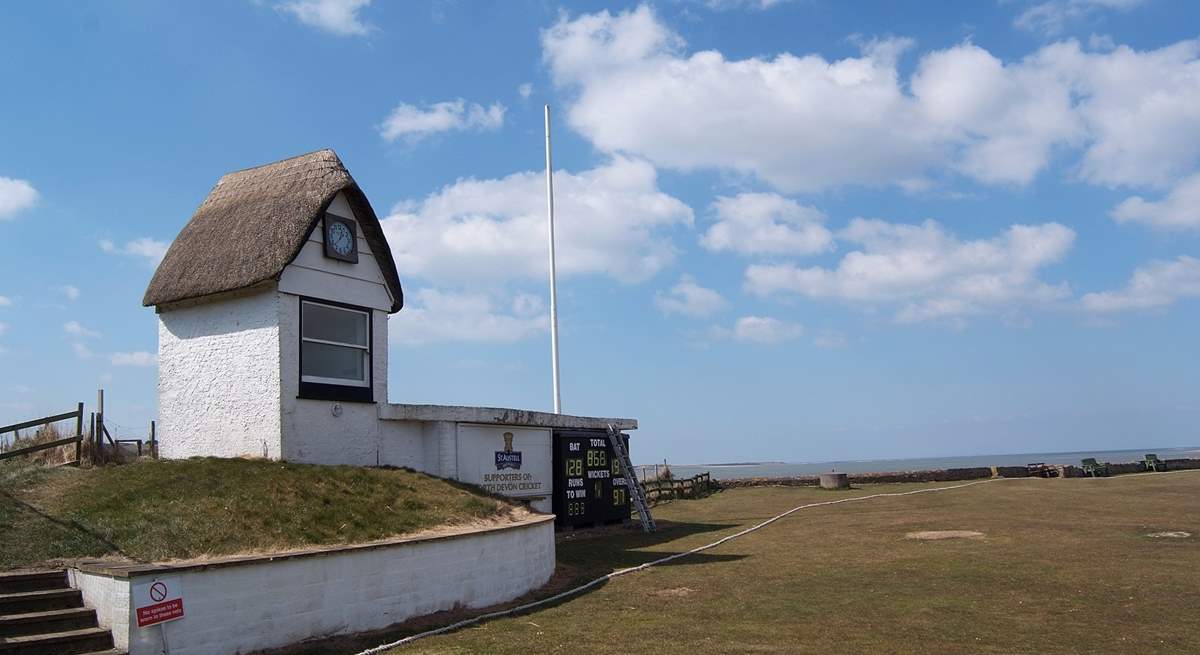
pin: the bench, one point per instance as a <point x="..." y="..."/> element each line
<point x="1093" y="468"/>
<point x="1153" y="463"/>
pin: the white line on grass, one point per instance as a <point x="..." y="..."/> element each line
<point x="615" y="574"/>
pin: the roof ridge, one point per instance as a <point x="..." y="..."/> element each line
<point x="284" y="160"/>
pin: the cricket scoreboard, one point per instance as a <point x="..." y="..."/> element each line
<point x="589" y="487"/>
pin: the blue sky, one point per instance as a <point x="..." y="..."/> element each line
<point x="787" y="230"/>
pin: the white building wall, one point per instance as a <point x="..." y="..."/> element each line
<point x="270" y="603"/>
<point x="218" y="378"/>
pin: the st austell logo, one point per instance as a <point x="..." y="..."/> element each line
<point x="507" y="458"/>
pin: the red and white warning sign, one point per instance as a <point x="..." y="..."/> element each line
<point x="158" y="601"/>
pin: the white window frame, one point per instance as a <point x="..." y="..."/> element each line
<point x="366" y="350"/>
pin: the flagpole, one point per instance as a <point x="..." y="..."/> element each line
<point x="553" y="283"/>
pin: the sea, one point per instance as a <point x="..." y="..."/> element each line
<point x="790" y="469"/>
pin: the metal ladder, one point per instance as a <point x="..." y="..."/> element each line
<point x="636" y="493"/>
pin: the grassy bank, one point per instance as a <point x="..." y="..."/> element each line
<point x="1064" y="566"/>
<point x="163" y="510"/>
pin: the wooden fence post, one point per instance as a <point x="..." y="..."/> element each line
<point x="79" y="433"/>
<point x="153" y="442"/>
<point x="99" y="426"/>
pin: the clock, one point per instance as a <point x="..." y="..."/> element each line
<point x="340" y="240"/>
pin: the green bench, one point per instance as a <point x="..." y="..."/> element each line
<point x="1093" y="468"/>
<point x="1153" y="463"/>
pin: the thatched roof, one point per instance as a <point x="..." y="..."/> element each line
<point x="253" y="224"/>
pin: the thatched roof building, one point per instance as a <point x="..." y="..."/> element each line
<point x="253" y="224"/>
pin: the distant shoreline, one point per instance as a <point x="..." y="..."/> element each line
<point x="735" y="470"/>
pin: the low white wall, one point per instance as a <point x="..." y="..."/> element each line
<point x="107" y="595"/>
<point x="247" y="604"/>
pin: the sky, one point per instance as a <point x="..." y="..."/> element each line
<point x="787" y="231"/>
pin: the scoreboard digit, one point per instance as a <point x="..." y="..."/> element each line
<point x="588" y="485"/>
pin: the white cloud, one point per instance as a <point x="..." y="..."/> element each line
<point x="1052" y="16"/>
<point x="138" y="358"/>
<point x="766" y="224"/>
<point x="338" y="17"/>
<point x="71" y="292"/>
<point x="1178" y="210"/>
<point x="724" y="5"/>
<point x="151" y="250"/>
<point x="81" y="351"/>
<point x="75" y="329"/>
<point x="807" y="123"/>
<point x="15" y="196"/>
<point x="525" y="90"/>
<point x="1158" y="284"/>
<point x="761" y="329"/>
<point x="689" y="299"/>
<point x="414" y="123"/>
<point x="5" y="301"/>
<point x="928" y="272"/>
<point x="446" y="316"/>
<point x="3" y="329"/>
<point x="609" y="220"/>
<point x="830" y="340"/>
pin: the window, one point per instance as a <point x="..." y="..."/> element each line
<point x="335" y="352"/>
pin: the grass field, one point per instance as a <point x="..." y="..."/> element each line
<point x="151" y="511"/>
<point x="1065" y="566"/>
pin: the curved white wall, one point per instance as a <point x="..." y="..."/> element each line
<point x="244" y="605"/>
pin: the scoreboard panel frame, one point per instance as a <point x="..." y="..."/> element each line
<point x="589" y="488"/>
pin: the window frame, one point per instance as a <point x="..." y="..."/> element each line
<point x="322" y="388"/>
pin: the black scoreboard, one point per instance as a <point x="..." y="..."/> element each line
<point x="589" y="487"/>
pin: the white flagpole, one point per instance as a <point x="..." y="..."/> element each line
<point x="553" y="284"/>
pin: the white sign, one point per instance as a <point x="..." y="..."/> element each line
<point x="504" y="460"/>
<point x="158" y="601"/>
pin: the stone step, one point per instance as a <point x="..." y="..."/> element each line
<point x="26" y="602"/>
<point x="70" y="642"/>
<point x="13" y="582"/>
<point x="33" y="623"/>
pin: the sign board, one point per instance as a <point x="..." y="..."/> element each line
<point x="158" y="601"/>
<point x="505" y="460"/>
<point x="588" y="485"/>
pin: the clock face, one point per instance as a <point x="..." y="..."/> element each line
<point x="340" y="238"/>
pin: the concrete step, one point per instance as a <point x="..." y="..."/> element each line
<point x="26" y="602"/>
<point x="13" y="582"/>
<point x="70" y="642"/>
<point x="33" y="623"/>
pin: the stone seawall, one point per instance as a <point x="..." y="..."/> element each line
<point x="950" y="475"/>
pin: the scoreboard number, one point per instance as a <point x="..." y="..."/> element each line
<point x="574" y="468"/>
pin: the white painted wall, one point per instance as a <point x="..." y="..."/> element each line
<point x="109" y="596"/>
<point x="265" y="604"/>
<point x="313" y="274"/>
<point x="218" y="378"/>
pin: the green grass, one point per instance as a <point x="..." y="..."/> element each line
<point x="1065" y="568"/>
<point x="163" y="510"/>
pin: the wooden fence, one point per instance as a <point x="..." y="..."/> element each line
<point x="46" y="420"/>
<point x="693" y="487"/>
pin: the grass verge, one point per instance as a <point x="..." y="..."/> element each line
<point x="153" y="511"/>
<point x="1064" y="566"/>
